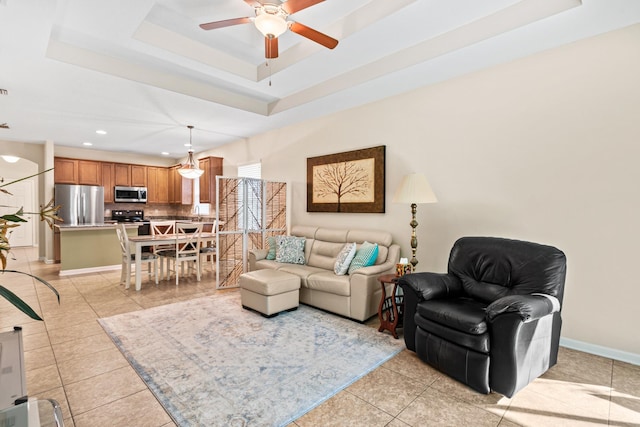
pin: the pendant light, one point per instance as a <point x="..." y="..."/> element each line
<point x="190" y="168"/>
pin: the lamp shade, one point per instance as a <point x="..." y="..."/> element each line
<point x="190" y="169"/>
<point x="414" y="188"/>
<point x="271" y="24"/>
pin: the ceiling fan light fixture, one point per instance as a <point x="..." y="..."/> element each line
<point x="190" y="169"/>
<point x="271" y="24"/>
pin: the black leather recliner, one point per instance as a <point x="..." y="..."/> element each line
<point x="493" y="321"/>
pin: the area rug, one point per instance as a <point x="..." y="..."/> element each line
<point x="212" y="363"/>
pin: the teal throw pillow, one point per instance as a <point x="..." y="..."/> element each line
<point x="290" y="249"/>
<point x="271" y="245"/>
<point x="365" y="256"/>
<point x="344" y="259"/>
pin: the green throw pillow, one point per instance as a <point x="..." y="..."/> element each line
<point x="271" y="244"/>
<point x="365" y="256"/>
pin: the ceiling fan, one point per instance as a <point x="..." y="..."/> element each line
<point x="271" y="20"/>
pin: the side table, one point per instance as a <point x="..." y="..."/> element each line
<point x="391" y="307"/>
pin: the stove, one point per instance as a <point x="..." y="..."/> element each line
<point x="122" y="215"/>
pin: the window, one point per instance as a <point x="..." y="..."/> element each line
<point x="252" y="170"/>
<point x="252" y="204"/>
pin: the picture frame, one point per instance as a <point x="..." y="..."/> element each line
<point x="348" y="182"/>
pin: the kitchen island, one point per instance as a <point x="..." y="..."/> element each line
<point x="90" y="248"/>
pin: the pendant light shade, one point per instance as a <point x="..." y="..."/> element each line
<point x="190" y="168"/>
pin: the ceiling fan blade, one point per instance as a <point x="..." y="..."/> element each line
<point x="253" y="3"/>
<point x="270" y="47"/>
<point x="224" y="23"/>
<point x="313" y="35"/>
<point x="293" y="6"/>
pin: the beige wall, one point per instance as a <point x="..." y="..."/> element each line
<point x="544" y="149"/>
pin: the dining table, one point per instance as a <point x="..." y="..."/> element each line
<point x="138" y="242"/>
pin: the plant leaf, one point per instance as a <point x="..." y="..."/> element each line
<point x="13" y="218"/>
<point x="18" y="303"/>
<point x="26" y="177"/>
<point x="44" y="282"/>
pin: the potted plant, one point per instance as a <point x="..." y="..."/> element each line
<point x="47" y="213"/>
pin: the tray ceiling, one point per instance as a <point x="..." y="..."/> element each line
<point x="144" y="70"/>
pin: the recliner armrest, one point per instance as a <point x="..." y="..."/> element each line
<point x="432" y="285"/>
<point x="528" y="307"/>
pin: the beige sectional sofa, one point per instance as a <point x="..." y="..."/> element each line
<point x="357" y="295"/>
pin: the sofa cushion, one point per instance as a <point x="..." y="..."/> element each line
<point x="366" y="255"/>
<point x="323" y="254"/>
<point x="344" y="259"/>
<point x="382" y="238"/>
<point x="302" y="271"/>
<point x="267" y="263"/>
<point x="327" y="281"/>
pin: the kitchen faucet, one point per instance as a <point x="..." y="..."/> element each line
<point x="196" y="210"/>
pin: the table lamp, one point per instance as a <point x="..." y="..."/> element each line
<point x="414" y="189"/>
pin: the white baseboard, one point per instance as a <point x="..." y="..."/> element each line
<point x="90" y="270"/>
<point x="599" y="350"/>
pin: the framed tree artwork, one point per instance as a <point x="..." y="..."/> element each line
<point x="352" y="181"/>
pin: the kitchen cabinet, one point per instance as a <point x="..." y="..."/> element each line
<point x="89" y="172"/>
<point x="157" y="185"/>
<point x="212" y="167"/>
<point x="180" y="188"/>
<point x="65" y="171"/>
<point x="108" y="176"/>
<point x="122" y="175"/>
<point x="75" y="171"/>
<point x="127" y="175"/>
<point x="138" y="176"/>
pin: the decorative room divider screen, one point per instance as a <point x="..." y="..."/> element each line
<point x="250" y="211"/>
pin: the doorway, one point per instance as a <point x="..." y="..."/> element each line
<point x="22" y="195"/>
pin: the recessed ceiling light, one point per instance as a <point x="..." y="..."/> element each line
<point x="101" y="132"/>
<point x="164" y="153"/>
<point x="10" y="159"/>
<point x="87" y="143"/>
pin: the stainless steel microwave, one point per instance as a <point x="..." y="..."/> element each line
<point x="130" y="194"/>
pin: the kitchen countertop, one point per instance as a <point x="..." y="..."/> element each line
<point x="93" y="226"/>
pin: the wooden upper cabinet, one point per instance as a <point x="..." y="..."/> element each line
<point x="138" y="176"/>
<point x="65" y="171"/>
<point x="122" y="175"/>
<point x="180" y="189"/>
<point x="157" y="185"/>
<point x="89" y="172"/>
<point x="212" y="167"/>
<point x="130" y="175"/>
<point x="162" y="185"/>
<point x="108" y="183"/>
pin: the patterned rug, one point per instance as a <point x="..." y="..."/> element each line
<point x="212" y="363"/>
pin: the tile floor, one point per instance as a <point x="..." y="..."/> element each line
<point x="71" y="359"/>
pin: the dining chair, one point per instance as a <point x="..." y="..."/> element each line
<point x="162" y="228"/>
<point x="208" y="246"/>
<point x="129" y="259"/>
<point x="186" y="249"/>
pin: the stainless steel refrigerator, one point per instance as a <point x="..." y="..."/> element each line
<point x="80" y="204"/>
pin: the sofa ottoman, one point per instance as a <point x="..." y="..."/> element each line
<point x="269" y="291"/>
